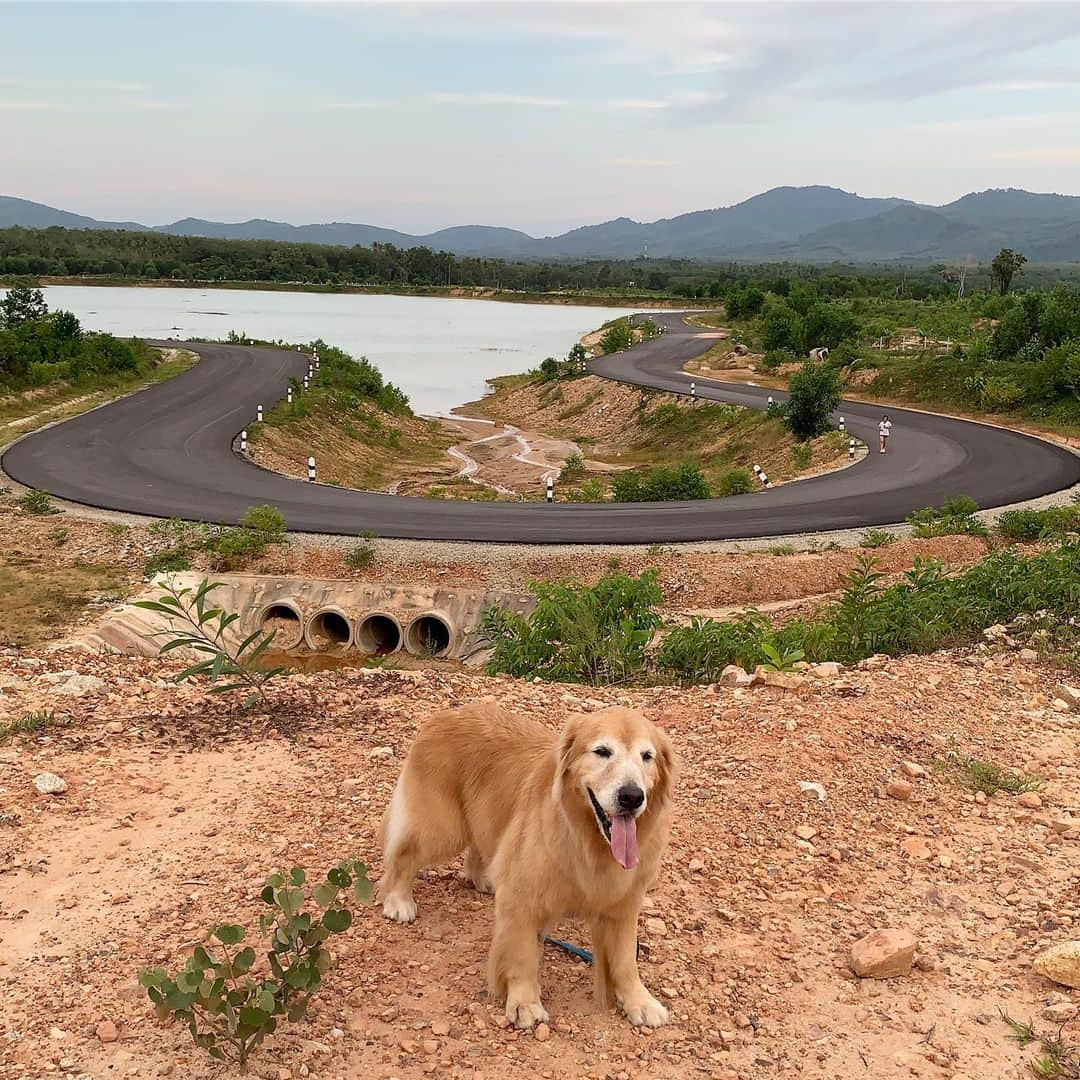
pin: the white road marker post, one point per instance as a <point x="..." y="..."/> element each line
<point x="258" y="414"/>
<point x="842" y="425"/>
<point x="851" y="449"/>
<point x="243" y="441"/>
<point x="307" y="381"/>
<point x="693" y="393"/>
<point x="290" y="393"/>
<point x="550" y="489"/>
<point x="771" y="402"/>
<point x="311" y="470"/>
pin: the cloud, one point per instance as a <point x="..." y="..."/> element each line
<point x="642" y="163"/>
<point x="645" y="104"/>
<point x="1036" y="155"/>
<point x="346" y="105"/>
<point x="34" y="106"/>
<point x="498" y="99"/>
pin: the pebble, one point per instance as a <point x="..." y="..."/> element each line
<point x="899" y="789"/>
<point x="440" y="1027"/>
<point x="808" y="787"/>
<point x="1061" y="963"/>
<point x="912" y="769"/>
<point x="48" y="783"/>
<point x="1030" y="800"/>
<point x="106" y="1032"/>
<point x="656" y="927"/>
<point x="883" y="954"/>
<point x="806" y="832"/>
<point x="542" y="1033"/>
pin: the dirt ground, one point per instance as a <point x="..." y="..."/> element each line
<point x="61" y="569"/>
<point x="177" y="807"/>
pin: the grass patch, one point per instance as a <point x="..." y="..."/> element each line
<point x="38" y="502"/>
<point x="42" y="600"/>
<point x="989" y="777"/>
<point x="877" y="538"/>
<point x="28" y="724"/>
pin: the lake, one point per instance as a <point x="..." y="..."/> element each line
<point x="441" y="352"/>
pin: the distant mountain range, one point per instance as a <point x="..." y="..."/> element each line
<point x="800" y="224"/>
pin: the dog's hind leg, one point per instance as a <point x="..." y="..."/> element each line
<point x="410" y="844"/>
<point x="475" y="872"/>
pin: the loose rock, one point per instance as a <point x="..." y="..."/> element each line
<point x="883" y="954"/>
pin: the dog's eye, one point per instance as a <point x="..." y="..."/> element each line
<point x="602" y="751"/>
<point x="646" y="755"/>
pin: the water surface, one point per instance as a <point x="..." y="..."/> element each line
<point x="441" y="352"/>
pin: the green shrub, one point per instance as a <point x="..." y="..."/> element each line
<point x="617" y="337"/>
<point x="573" y="468"/>
<point x="926" y="610"/>
<point x="661" y="484"/>
<point x="592" y="490"/>
<point x="955" y="517"/>
<point x="38" y="502"/>
<point x="58" y="537"/>
<point x="577" y="633"/>
<point x="267" y="520"/>
<point x="802" y="454"/>
<point x="814" y="395"/>
<point x="1037" y="524"/>
<point x="169" y="561"/>
<point x="227" y="998"/>
<point x="876" y="538"/>
<point x="734" y="482"/>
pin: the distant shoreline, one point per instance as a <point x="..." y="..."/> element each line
<point x="452" y="292"/>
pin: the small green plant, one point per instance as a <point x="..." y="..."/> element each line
<point x="778" y="658"/>
<point x="990" y="778"/>
<point x="363" y="555"/>
<point x="38" y="502"/>
<point x="203" y="629"/>
<point x="170" y="561"/>
<point x="28" y="724"/>
<point x="229" y="1000"/>
<point x="592" y="491"/>
<point x="573" y="468"/>
<point x="877" y="538"/>
<point x="1039" y="524"/>
<point x="58" y="537"/>
<point x="782" y="549"/>
<point x="802" y="454"/>
<point x="1058" y="1060"/>
<point x="117" y="528"/>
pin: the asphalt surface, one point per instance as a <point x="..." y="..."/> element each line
<point x="168" y="451"/>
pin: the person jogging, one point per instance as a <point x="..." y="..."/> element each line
<point x="884" y="430"/>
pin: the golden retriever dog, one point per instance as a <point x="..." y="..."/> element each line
<point x="557" y="824"/>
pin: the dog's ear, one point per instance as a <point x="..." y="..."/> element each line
<point x="666" y="766"/>
<point x="566" y="749"/>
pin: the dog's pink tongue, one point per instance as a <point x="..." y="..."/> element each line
<point x="624" y="841"/>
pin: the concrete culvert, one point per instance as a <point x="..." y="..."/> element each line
<point x="283" y="621"/>
<point x="378" y="634"/>
<point x="428" y="635"/>
<point x="329" y="631"/>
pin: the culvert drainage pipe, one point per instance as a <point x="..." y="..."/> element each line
<point x="283" y="620"/>
<point x="329" y="630"/>
<point x="378" y="634"/>
<point x="428" y="635"/>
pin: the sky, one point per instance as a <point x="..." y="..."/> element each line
<point x="539" y="116"/>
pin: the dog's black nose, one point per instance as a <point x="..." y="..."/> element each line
<point x="630" y="797"/>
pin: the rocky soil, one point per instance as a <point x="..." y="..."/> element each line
<point x="805" y="821"/>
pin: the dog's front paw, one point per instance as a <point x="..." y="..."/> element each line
<point x="525" y="1014"/>
<point x="400" y="908"/>
<point x="645" y="1011"/>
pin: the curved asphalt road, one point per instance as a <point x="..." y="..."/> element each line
<point x="167" y="451"/>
